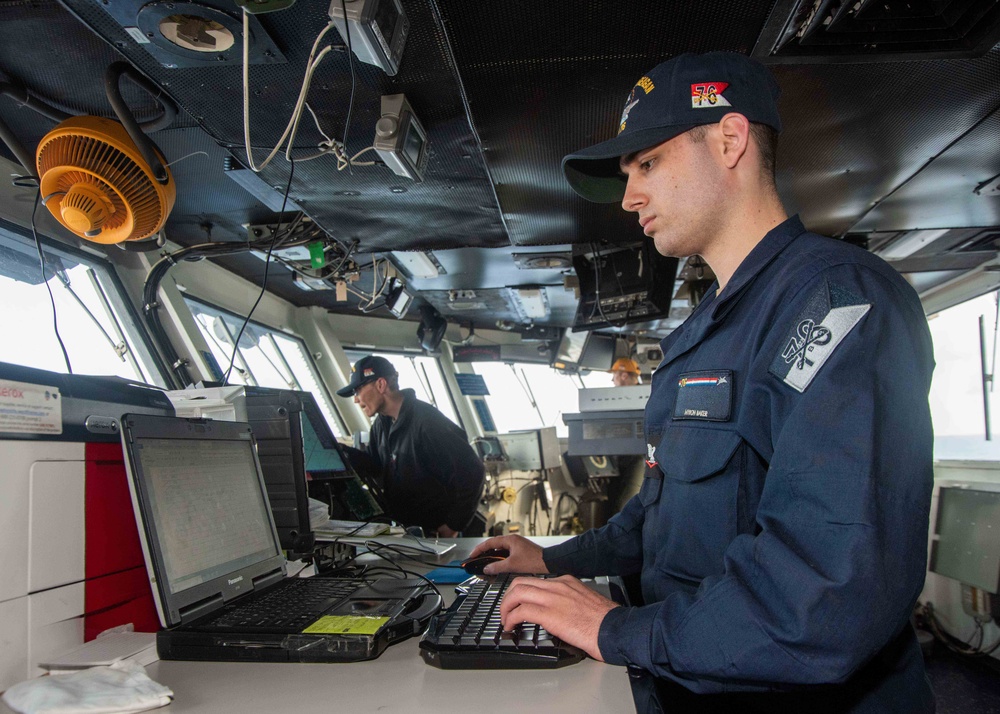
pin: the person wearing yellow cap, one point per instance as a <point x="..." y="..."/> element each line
<point x="625" y="372"/>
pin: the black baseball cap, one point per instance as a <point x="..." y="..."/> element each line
<point x="367" y="369"/>
<point x="673" y="97"/>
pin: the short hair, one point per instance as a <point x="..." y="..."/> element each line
<point x="766" y="138"/>
<point x="392" y="381"/>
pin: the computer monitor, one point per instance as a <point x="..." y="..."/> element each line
<point x="570" y="349"/>
<point x="330" y="474"/>
<point x="599" y="354"/>
<point x="965" y="545"/>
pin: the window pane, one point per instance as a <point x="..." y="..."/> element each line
<point x="419" y="373"/>
<point x="266" y="358"/>
<point x="956" y="396"/>
<point x="554" y="394"/>
<point x="90" y="325"/>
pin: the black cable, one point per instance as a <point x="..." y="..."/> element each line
<point x="350" y="104"/>
<point x="263" y="287"/>
<point x="52" y="300"/>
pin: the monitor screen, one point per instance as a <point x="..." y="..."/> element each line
<point x="965" y="546"/>
<point x="570" y="349"/>
<point x="599" y="354"/>
<point x="413" y="143"/>
<point x="207" y="507"/>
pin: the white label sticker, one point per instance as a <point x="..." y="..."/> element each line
<point x="29" y="408"/>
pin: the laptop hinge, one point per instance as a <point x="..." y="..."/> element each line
<point x="273" y="576"/>
<point x="200" y="608"/>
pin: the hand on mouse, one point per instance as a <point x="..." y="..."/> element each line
<point x="564" y="606"/>
<point x="525" y="556"/>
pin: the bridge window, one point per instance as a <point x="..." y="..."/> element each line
<point x="531" y="396"/>
<point x="957" y="390"/>
<point x="266" y="357"/>
<point x="97" y="324"/>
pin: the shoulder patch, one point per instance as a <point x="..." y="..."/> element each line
<point x="828" y="317"/>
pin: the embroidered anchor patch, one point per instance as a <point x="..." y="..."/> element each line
<point x="829" y="315"/>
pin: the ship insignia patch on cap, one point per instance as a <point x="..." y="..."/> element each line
<point x="647" y="86"/>
<point x="705" y="95"/>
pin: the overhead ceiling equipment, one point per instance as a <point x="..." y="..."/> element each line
<point x="95" y="182"/>
<point x="400" y="138"/>
<point x="104" y="181"/>
<point x="107" y="182"/>
<point x="377" y="30"/>
<point x="878" y="30"/>
<point x="207" y="33"/>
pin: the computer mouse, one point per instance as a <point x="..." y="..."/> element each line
<point x="474" y="566"/>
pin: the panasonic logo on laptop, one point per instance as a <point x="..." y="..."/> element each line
<point x="235" y="580"/>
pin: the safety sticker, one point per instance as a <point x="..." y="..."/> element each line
<point x="345" y="625"/>
<point x="828" y="317"/>
<point x="29" y="408"/>
<point x="705" y="95"/>
<point x="705" y="395"/>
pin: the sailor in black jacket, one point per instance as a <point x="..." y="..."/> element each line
<point x="430" y="475"/>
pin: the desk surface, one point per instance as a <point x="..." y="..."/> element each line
<point x="398" y="681"/>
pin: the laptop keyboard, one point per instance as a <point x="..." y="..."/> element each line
<point x="469" y="635"/>
<point x="294" y="604"/>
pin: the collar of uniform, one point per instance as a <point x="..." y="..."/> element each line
<point x="408" y="396"/>
<point x="776" y="240"/>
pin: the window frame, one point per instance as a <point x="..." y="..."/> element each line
<point x="310" y="362"/>
<point x="133" y="325"/>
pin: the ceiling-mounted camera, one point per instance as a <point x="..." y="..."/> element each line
<point x="378" y="30"/>
<point x="400" y="138"/>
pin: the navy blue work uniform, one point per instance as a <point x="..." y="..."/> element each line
<point x="781" y="529"/>
<point x="429" y="473"/>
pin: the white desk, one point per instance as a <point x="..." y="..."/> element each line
<point x="398" y="681"/>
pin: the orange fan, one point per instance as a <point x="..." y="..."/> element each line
<point x="96" y="183"/>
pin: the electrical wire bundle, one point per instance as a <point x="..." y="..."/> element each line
<point x="954" y="644"/>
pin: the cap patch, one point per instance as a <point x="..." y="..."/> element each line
<point x="647" y="86"/>
<point x="369" y="372"/>
<point x="706" y="95"/>
<point x="828" y="317"/>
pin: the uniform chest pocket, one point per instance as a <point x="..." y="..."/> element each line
<point x="698" y="512"/>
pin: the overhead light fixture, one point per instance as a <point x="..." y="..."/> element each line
<point x="910" y="242"/>
<point x="529" y="303"/>
<point x="378" y="30"/>
<point x="418" y="264"/>
<point x="542" y="261"/>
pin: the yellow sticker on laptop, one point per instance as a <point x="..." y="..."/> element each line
<point x="345" y="625"/>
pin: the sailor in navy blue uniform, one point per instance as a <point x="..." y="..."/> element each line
<point x="781" y="529"/>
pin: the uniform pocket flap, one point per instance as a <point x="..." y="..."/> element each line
<point x="689" y="454"/>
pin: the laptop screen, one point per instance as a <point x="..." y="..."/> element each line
<point x="207" y="507"/>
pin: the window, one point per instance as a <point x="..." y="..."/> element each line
<point x="532" y="396"/>
<point x="101" y="333"/>
<point x="266" y="357"/>
<point x="420" y="373"/>
<point x="956" y="396"/>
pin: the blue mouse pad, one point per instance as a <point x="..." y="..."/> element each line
<point x="448" y="575"/>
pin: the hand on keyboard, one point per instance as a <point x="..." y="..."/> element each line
<point x="563" y="606"/>
<point x="525" y="556"/>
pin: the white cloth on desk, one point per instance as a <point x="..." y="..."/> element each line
<point x="120" y="687"/>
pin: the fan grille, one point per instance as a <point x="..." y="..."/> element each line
<point x="99" y="154"/>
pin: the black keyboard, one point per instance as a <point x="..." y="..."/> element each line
<point x="295" y="602"/>
<point x="469" y="635"/>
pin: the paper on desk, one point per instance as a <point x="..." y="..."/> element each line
<point x="121" y="687"/>
<point x="424" y="545"/>
<point x="106" y="649"/>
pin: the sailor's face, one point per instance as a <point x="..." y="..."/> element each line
<point x="369" y="397"/>
<point x="673" y="188"/>
<point x="623" y="378"/>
